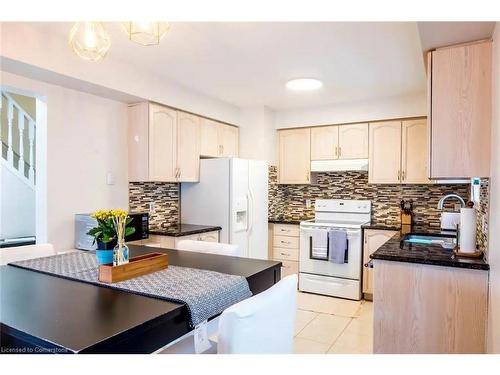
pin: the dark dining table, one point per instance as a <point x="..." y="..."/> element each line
<point x="41" y="313"/>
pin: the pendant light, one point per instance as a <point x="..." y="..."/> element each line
<point x="146" y="33"/>
<point x="89" y="40"/>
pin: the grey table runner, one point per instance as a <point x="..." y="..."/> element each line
<point x="206" y="293"/>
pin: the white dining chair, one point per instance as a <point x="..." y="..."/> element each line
<point x="208" y="247"/>
<point x="17" y="253"/>
<point x="262" y="324"/>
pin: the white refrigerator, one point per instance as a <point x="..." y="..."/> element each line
<point x="233" y="194"/>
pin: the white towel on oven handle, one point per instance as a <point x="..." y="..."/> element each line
<point x="319" y="243"/>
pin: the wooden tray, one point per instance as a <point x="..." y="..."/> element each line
<point x="137" y="266"/>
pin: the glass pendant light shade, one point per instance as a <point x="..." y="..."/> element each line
<point x="89" y="40"/>
<point x="146" y="33"/>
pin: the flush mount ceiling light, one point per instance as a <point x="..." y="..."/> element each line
<point x="146" y="33"/>
<point x="304" y="84"/>
<point x="89" y="40"/>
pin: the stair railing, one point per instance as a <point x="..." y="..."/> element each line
<point x="12" y="108"/>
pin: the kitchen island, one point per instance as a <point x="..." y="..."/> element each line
<point x="427" y="300"/>
<point x="44" y="313"/>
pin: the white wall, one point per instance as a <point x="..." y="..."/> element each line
<point x="494" y="220"/>
<point x="257" y="134"/>
<point x="17" y="205"/>
<point x="86" y="138"/>
<point x="31" y="44"/>
<point x="370" y="110"/>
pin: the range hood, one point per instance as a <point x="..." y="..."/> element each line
<point x="339" y="165"/>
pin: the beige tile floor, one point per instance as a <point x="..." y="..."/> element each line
<point x="333" y="325"/>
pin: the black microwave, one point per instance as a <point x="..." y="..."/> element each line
<point x="140" y="221"/>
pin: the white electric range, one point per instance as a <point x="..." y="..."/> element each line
<point x="321" y="276"/>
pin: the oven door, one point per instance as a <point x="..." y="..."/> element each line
<point x="350" y="269"/>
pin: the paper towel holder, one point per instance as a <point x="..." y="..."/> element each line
<point x="456" y="249"/>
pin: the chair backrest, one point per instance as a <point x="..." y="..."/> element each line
<point x="261" y="324"/>
<point x="17" y="253"/>
<point x="208" y="247"/>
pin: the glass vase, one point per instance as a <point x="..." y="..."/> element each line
<point x="120" y="254"/>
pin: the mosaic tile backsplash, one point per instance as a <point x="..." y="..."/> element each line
<point x="287" y="202"/>
<point x="164" y="195"/>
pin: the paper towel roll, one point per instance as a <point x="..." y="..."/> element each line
<point x="467" y="230"/>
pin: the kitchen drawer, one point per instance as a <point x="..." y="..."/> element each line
<point x="286" y="230"/>
<point x="156" y="240"/>
<point x="192" y="237"/>
<point x="288" y="242"/>
<point x="281" y="253"/>
<point x="289" y="268"/>
<point x="209" y="237"/>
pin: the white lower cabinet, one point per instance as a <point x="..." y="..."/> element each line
<point x="373" y="239"/>
<point x="285" y="247"/>
<point x="170" y="242"/>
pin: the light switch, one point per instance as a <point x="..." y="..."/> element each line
<point x="110" y="178"/>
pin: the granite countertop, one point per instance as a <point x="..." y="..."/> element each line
<point x="421" y="228"/>
<point x="425" y="254"/>
<point x="180" y="230"/>
<point x="382" y="226"/>
<point x="293" y="221"/>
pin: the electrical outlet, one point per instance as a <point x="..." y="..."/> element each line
<point x="152" y="207"/>
<point x="308" y="203"/>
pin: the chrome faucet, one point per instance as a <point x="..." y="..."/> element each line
<point x="442" y="200"/>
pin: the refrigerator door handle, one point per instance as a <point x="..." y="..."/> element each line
<point x="250" y="211"/>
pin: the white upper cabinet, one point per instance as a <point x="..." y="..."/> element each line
<point x="385" y="153"/>
<point x="228" y="137"/>
<point x="459" y="95"/>
<point x="294" y="156"/>
<point x="339" y="142"/>
<point x="218" y="139"/>
<point x="138" y="142"/>
<point x="353" y="141"/>
<point x="398" y="152"/>
<point x="209" y="141"/>
<point x="414" y="146"/>
<point x="324" y="142"/>
<point x="163" y="144"/>
<point x="188" y="150"/>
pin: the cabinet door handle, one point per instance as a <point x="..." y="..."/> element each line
<point x="340" y="151"/>
<point x="336" y="151"/>
<point x="403" y="175"/>
<point x="287" y="242"/>
<point x="307" y="176"/>
<point x="399" y="175"/>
